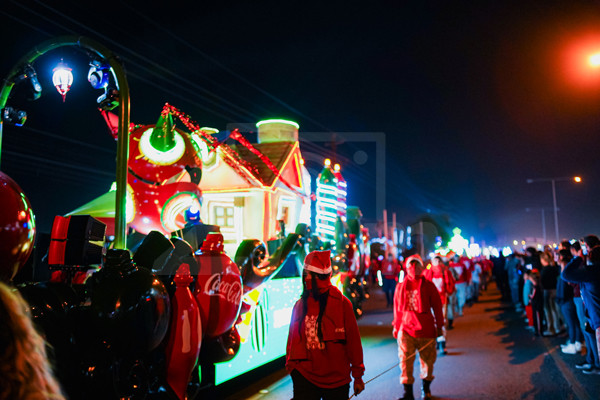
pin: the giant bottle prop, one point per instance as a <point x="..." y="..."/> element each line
<point x="185" y="335"/>
<point x="218" y="287"/>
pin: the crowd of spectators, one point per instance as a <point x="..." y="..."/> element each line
<point x="558" y="292"/>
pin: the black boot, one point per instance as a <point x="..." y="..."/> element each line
<point x="408" y="392"/>
<point x="426" y="390"/>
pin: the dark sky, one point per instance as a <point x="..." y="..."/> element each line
<point x="473" y="97"/>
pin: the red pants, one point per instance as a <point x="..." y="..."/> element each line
<point x="529" y="313"/>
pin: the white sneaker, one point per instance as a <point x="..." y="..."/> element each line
<point x="578" y="347"/>
<point x="569" y="349"/>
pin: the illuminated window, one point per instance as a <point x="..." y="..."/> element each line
<point x="223" y="216"/>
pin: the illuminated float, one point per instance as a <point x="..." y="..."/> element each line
<point x="218" y="234"/>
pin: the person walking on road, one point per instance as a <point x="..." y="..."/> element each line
<point x="389" y="271"/>
<point x="462" y="283"/>
<point x="324" y="348"/>
<point x="418" y="320"/>
<point x="443" y="280"/>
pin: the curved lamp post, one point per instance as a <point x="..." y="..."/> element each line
<point x="123" y="136"/>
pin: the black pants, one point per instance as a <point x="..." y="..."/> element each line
<point x="306" y="390"/>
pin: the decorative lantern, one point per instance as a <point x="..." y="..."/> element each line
<point x="62" y="78"/>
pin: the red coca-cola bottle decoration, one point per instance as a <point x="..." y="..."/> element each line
<point x="218" y="287"/>
<point x="185" y="336"/>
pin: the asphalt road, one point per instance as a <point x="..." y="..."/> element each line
<point x="490" y="356"/>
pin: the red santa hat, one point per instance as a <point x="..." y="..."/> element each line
<point x="318" y="261"/>
<point x="414" y="257"/>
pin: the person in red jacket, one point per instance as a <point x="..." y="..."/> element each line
<point x="415" y="326"/>
<point x="443" y="280"/>
<point x="462" y="282"/>
<point x="323" y="348"/>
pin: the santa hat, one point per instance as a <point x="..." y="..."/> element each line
<point x="414" y="257"/>
<point x="318" y="261"/>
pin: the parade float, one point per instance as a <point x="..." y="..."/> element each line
<point x="204" y="291"/>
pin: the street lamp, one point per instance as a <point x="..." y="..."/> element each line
<point x="576" y="179"/>
<point x="594" y="60"/>
<point x="23" y="70"/>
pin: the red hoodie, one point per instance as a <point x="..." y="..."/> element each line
<point x="390" y="270"/>
<point x="443" y="281"/>
<point x="327" y="364"/>
<point x="412" y="311"/>
<point x="461" y="270"/>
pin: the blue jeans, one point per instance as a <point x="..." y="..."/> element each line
<point x="592" y="349"/>
<point x="514" y="290"/>
<point x="590" y="338"/>
<point x="580" y="312"/>
<point x="569" y="311"/>
<point x="389" y="286"/>
<point x="451" y="306"/>
<point x="461" y="297"/>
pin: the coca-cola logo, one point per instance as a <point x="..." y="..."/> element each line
<point x="228" y="291"/>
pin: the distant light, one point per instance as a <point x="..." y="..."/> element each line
<point x="336" y="167"/>
<point x="594" y="60"/>
<point x="277" y="121"/>
<point x="523" y="242"/>
<point x="515" y="242"/>
<point x="577" y="179"/>
<point x="327" y="162"/>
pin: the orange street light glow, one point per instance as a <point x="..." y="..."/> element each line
<point x="594" y="60"/>
<point x="581" y="61"/>
<point x="577" y="179"/>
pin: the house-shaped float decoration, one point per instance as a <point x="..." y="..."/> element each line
<point x="248" y="197"/>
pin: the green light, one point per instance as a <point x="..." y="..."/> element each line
<point x="208" y="157"/>
<point x="282" y="295"/>
<point x="278" y="121"/>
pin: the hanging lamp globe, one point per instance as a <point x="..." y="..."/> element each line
<point x="62" y="79"/>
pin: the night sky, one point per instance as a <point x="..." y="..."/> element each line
<point x="474" y="98"/>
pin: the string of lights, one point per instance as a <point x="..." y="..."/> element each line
<point x="228" y="70"/>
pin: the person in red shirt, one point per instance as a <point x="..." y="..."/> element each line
<point x="415" y="325"/>
<point x="323" y="348"/>
<point x="389" y="273"/>
<point x="462" y="281"/>
<point x="443" y="280"/>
